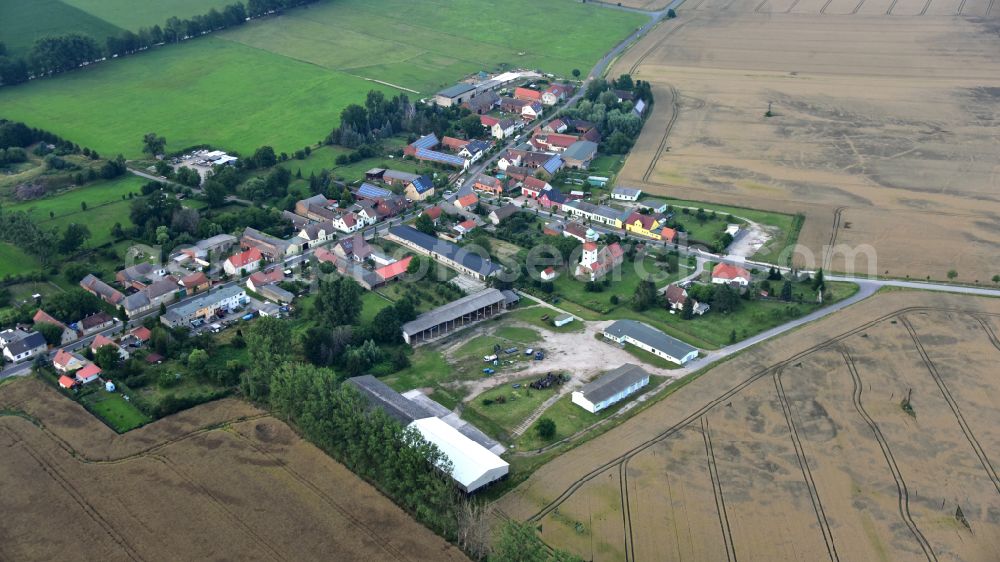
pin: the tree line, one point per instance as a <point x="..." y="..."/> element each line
<point x="618" y="124"/>
<point x="381" y="117"/>
<point x="59" y="53"/>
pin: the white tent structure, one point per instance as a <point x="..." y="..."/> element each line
<point x="473" y="466"/>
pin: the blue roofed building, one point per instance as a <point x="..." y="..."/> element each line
<point x="419" y="189"/>
<point x="446" y="253"/>
<point x="427" y="155"/>
<point x="580" y="153"/>
<point x="552" y="165"/>
<point x="425" y="142"/>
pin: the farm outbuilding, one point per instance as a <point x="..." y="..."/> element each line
<point x="473" y="466"/>
<point x="563" y="319"/>
<point x="454" y="315"/>
<point x="611" y="387"/>
<point x="650" y="339"/>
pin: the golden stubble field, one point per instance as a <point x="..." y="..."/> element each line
<point x="223" y="481"/>
<point x="885" y="127"/>
<point x="800" y="449"/>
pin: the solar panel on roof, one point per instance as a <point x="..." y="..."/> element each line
<point x="440" y="157"/>
<point x="372" y="191"/>
<point x="426" y="141"/>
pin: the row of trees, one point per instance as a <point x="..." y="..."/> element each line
<point x="335" y="418"/>
<point x="381" y="117"/>
<point x="59" y="53"/>
<point x="18" y="229"/>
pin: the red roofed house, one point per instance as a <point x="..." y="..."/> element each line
<point x="531" y="111"/>
<point x="490" y="184"/>
<point x="244" y="261"/>
<point x="395" y="269"/>
<point x="533" y="187"/>
<point x="260" y="278"/>
<point x="324" y="255"/>
<point x="434" y="213"/>
<point x="453" y="144"/>
<point x="668" y="235"/>
<point x="66" y="382"/>
<point x="556" y="93"/>
<point x="596" y="263"/>
<point x="553" y="142"/>
<point x="467" y="202"/>
<point x="195" y="282"/>
<point x="141" y="333"/>
<point x="549" y="274"/>
<point x="42" y="317"/>
<point x="101" y="341"/>
<point x="465" y="227"/>
<point x="488" y="121"/>
<point x="527" y="94"/>
<point x="88" y="373"/>
<point x="724" y="274"/>
<point x="555" y="126"/>
<point x="66" y="362"/>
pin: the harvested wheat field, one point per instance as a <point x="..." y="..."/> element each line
<point x="803" y="448"/>
<point x="222" y="481"/>
<point x="884" y="128"/>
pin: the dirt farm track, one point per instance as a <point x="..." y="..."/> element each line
<point x="222" y="481"/>
<point x="800" y="449"/>
<point x="885" y="128"/>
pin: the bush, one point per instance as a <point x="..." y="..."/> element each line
<point x="546" y="428"/>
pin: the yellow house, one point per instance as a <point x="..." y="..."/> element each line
<point x="644" y="225"/>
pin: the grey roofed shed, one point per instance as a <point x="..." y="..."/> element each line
<point x="456" y="90"/>
<point x="453" y="310"/>
<point x="651" y="337"/>
<point x="388" y="400"/>
<point x="611" y="383"/>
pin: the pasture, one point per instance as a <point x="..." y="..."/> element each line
<point x="24" y="21"/>
<point x="133" y="14"/>
<point x="203" y="91"/>
<point x="897" y="170"/>
<point x="856" y="438"/>
<point x="283" y="80"/>
<point x="14" y="260"/>
<point x="199" y="473"/>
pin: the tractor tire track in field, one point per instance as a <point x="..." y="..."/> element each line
<point x="675" y="108"/>
<point x="858" y="7"/>
<point x="989" y="331"/>
<point x="376" y="537"/>
<point x="759" y="6"/>
<point x="888" y="11"/>
<point x="626" y="512"/>
<point x="960" y="8"/>
<point x="990" y="7"/>
<point x="822" y="10"/>
<point x="720" y="500"/>
<point x="837" y="218"/>
<point x="953" y="405"/>
<point x="642" y="58"/>
<point x="691" y="418"/>
<point x="926" y="6"/>
<point x="81" y="500"/>
<point x="242" y="525"/>
<point x="792" y="7"/>
<point x="903" y="493"/>
<point x="800" y="455"/>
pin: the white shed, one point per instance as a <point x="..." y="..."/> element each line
<point x="473" y="466"/>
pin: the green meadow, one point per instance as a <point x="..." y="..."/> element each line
<point x="24" y="21"/>
<point x="14" y="260"/>
<point x="133" y="14"/>
<point x="283" y="80"/>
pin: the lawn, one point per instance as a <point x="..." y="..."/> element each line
<point x="502" y="418"/>
<point x="356" y="171"/>
<point x="204" y="91"/>
<point x="14" y="260"/>
<point x="789" y="225"/>
<point x="426" y="45"/>
<point x="66" y="204"/>
<point x="428" y="369"/>
<point x="372" y="303"/>
<point x="117" y="412"/>
<point x="133" y="14"/>
<point x="24" y="21"/>
<point x="284" y="80"/>
<point x="533" y="315"/>
<point x="624" y="281"/>
<point x="318" y="160"/>
<point x="570" y="418"/>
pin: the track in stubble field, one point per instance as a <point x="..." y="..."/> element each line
<point x="720" y="499"/>
<point x="989" y="331"/>
<point x="837" y="217"/>
<point x="952" y="404"/>
<point x="732" y="391"/>
<point x="233" y="517"/>
<point x="675" y="108"/>
<point x="77" y="497"/>
<point x="902" y="492"/>
<point x="800" y="455"/>
<point x="376" y="537"/>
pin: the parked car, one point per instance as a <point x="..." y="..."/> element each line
<point x="539" y="356"/>
<point x="529" y="351"/>
<point x="489" y="358"/>
<point x="516" y="385"/>
<point x="488" y="371"/>
<point x="248" y="316"/>
<point x="510" y="350"/>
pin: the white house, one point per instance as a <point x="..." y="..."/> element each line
<point x="626" y="194"/>
<point x="244" y="261"/>
<point x="503" y="128"/>
<point x="19" y="345"/>
<point x="724" y="274"/>
<point x="610" y="388"/>
<point x="549" y="274"/>
<point x="347" y="222"/>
